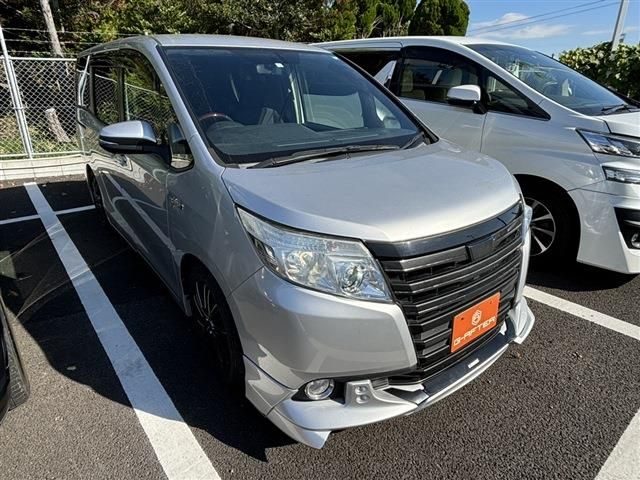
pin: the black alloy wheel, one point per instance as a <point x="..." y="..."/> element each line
<point x="215" y="322"/>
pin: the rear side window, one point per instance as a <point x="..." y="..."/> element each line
<point x="429" y="73"/>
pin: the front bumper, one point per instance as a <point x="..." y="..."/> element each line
<point x="602" y="243"/>
<point x="312" y="422"/>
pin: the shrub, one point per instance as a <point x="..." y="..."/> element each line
<point x="620" y="70"/>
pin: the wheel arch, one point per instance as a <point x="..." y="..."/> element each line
<point x="541" y="183"/>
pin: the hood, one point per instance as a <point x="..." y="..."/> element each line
<point x="386" y="196"/>
<point x="624" y="123"/>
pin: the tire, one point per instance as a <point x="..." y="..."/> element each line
<point x="18" y="382"/>
<point x="216" y="325"/>
<point x="554" y="226"/>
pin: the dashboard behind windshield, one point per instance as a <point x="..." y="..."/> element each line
<point x="551" y="78"/>
<point x="257" y="104"/>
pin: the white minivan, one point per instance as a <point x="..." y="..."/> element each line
<point x="573" y="144"/>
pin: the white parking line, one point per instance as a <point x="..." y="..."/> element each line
<point x="624" y="461"/>
<point x="19" y="219"/>
<point x="585" y="313"/>
<point x="75" y="210"/>
<point x="58" y="212"/>
<point x="178" y="451"/>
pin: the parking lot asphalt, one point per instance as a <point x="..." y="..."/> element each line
<point x="554" y="407"/>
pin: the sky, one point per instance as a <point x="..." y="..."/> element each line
<point x="573" y="23"/>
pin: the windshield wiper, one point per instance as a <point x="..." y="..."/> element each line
<point x="616" y="108"/>
<point x="320" y="153"/>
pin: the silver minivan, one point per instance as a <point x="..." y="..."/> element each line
<point x="347" y="265"/>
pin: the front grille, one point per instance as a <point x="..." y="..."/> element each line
<point x="436" y="278"/>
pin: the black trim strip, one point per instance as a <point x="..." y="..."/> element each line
<point x="449" y="240"/>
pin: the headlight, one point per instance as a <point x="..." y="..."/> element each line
<point x="340" y="267"/>
<point x="528" y="215"/>
<point x="611" y="144"/>
<point x="622" y="175"/>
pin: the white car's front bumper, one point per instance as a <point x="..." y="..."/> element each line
<point x="601" y="241"/>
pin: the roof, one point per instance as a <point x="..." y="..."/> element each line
<point x="416" y="40"/>
<point x="197" y="40"/>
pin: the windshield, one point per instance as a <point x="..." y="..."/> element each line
<point x="551" y="78"/>
<point x="259" y="104"/>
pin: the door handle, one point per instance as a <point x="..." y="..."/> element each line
<point x="175" y="202"/>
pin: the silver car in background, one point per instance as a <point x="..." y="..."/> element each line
<point x="346" y="264"/>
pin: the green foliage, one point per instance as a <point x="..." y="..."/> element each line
<point x="340" y="21"/>
<point x="620" y="70"/>
<point x="281" y="19"/>
<point x="440" y="17"/>
<point x="299" y="20"/>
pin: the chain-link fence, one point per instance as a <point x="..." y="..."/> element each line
<point x="37" y="108"/>
<point x="10" y="139"/>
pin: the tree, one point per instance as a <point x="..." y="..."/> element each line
<point x="395" y="17"/>
<point x="619" y="69"/>
<point x="340" y="21"/>
<point x="440" y="17"/>
<point x="367" y="20"/>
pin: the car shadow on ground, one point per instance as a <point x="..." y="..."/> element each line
<point x="39" y="295"/>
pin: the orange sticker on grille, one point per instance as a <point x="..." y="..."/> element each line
<point x="474" y="322"/>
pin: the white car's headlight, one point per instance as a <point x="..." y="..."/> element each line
<point x="340" y="267"/>
<point x="621" y="175"/>
<point x="611" y="144"/>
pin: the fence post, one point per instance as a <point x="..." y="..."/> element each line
<point x="21" y="119"/>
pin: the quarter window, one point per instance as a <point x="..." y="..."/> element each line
<point x="502" y="98"/>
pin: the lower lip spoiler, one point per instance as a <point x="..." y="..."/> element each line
<point x="312" y="422"/>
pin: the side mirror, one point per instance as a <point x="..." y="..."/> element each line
<point x="131" y="137"/>
<point x="467" y="96"/>
<point x="464" y="94"/>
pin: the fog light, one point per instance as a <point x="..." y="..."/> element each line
<point x="635" y="240"/>
<point x="319" y="389"/>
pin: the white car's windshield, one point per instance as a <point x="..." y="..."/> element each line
<point x="552" y="79"/>
<point x="259" y="104"/>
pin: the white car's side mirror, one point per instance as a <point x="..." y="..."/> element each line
<point x="462" y="94"/>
